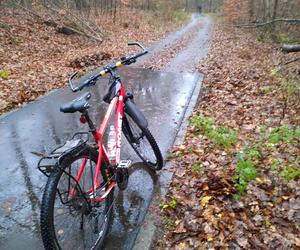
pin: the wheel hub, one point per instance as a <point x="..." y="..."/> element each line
<point x="80" y="204"/>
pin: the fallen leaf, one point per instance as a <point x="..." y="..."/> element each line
<point x="205" y="200"/>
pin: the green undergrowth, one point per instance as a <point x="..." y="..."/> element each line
<point x="163" y="18"/>
<point x="277" y="141"/>
<point x="4" y="74"/>
<point x="287" y="85"/>
<point x="284" y="134"/>
<point x="268" y="35"/>
<point x="197" y="168"/>
<point x="271" y="143"/>
<point x="222" y="136"/>
<point x="181" y="17"/>
<point x="169" y="222"/>
<point x="290" y="173"/>
<point x="4" y="25"/>
<point x="245" y="173"/>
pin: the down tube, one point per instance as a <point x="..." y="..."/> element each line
<point x="100" y="136"/>
<point x="118" y="125"/>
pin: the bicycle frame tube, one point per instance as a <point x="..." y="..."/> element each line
<point x="116" y="104"/>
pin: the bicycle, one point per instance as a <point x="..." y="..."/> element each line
<point x="78" y="197"/>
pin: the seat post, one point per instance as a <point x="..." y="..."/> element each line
<point x="92" y="127"/>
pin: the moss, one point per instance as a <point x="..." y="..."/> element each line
<point x="4" y="25"/>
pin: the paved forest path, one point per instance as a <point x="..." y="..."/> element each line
<point x="164" y="95"/>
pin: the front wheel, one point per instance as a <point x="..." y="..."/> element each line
<point x="143" y="143"/>
<point x="69" y="218"/>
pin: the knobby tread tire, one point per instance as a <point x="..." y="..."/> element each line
<point x="155" y="148"/>
<point x="48" y="199"/>
<point x="153" y="144"/>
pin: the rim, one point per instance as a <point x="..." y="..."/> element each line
<point x="77" y="223"/>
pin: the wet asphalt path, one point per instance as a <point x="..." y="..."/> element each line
<point x="39" y="126"/>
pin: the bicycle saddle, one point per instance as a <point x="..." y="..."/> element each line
<point x="80" y="104"/>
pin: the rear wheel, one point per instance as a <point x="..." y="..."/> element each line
<point x="143" y="143"/>
<point x="69" y="220"/>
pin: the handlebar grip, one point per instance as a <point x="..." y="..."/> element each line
<point x="82" y="85"/>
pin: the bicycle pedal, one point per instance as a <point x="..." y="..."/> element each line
<point x="124" y="164"/>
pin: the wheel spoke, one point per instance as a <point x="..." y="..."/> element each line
<point x="77" y="224"/>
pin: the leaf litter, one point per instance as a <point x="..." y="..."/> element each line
<point x="35" y="59"/>
<point x="245" y="194"/>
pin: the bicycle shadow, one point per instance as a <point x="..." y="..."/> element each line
<point x="131" y="206"/>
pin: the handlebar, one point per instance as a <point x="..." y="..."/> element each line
<point x="109" y="68"/>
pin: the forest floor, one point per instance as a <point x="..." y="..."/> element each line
<point x="236" y="181"/>
<point x="35" y="58"/>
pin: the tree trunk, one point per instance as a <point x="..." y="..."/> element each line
<point x="251" y="10"/>
<point x="268" y="10"/>
<point x="264" y="10"/>
<point x="274" y="16"/>
<point x="210" y="6"/>
<point x="115" y="11"/>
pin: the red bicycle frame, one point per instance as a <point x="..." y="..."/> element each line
<point x="117" y="104"/>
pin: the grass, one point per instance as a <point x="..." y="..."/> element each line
<point x="162" y="18"/>
<point x="4" y="25"/>
<point x="14" y="41"/>
<point x="222" y="136"/>
<point x="249" y="153"/>
<point x="197" y="168"/>
<point x="278" y="37"/>
<point x="169" y="222"/>
<point x="290" y="173"/>
<point x="266" y="89"/>
<point x="284" y="38"/>
<point x="245" y="173"/>
<point x="284" y="133"/>
<point x="180" y="17"/>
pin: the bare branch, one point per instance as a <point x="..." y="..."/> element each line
<point x="292" y="21"/>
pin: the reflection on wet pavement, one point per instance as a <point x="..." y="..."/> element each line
<point x="130" y="207"/>
<point x="39" y="127"/>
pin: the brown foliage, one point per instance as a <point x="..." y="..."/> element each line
<point x="38" y="59"/>
<point x="201" y="212"/>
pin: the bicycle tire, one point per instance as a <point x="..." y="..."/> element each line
<point x="131" y="129"/>
<point x="52" y="231"/>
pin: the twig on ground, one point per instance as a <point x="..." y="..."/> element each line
<point x="291" y="61"/>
